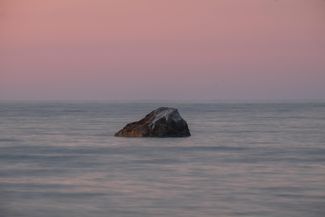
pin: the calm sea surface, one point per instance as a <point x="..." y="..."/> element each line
<point x="60" y="159"/>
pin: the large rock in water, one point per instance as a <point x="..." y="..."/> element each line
<point x="162" y="122"/>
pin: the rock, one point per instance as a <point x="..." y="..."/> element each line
<point x="162" y="122"/>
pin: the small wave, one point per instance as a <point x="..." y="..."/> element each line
<point x="9" y="140"/>
<point x="73" y="111"/>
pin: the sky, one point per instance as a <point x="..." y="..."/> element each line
<point x="162" y="49"/>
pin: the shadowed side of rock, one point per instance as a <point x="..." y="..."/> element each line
<point x="162" y="122"/>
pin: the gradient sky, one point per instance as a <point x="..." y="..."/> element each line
<point x="162" y="49"/>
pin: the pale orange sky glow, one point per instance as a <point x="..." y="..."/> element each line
<point x="162" y="49"/>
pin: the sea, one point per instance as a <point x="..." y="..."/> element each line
<point x="244" y="159"/>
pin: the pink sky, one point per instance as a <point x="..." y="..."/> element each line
<point x="162" y="49"/>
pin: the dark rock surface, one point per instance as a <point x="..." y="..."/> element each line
<point x="162" y="122"/>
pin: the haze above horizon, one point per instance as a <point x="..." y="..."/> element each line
<point x="163" y="49"/>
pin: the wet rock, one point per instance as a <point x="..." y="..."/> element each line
<point x="162" y="122"/>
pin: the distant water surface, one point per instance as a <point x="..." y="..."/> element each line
<point x="60" y="159"/>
